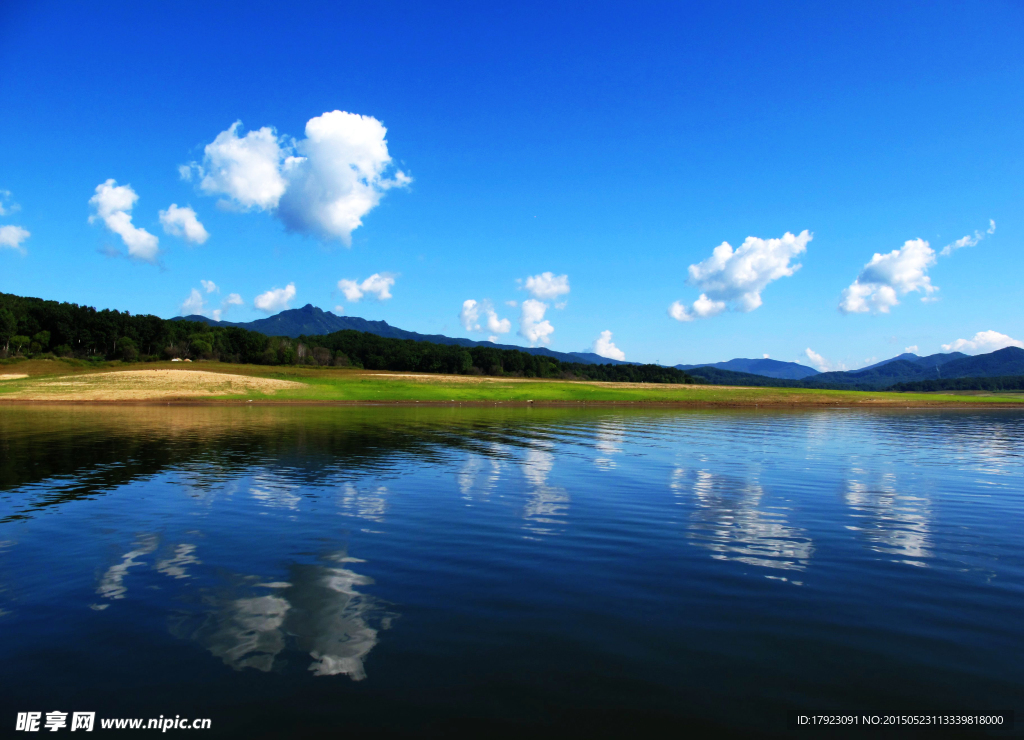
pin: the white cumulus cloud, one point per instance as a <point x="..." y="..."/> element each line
<point x="193" y="305"/>
<point x="322" y="185"/>
<point x="888" y="276"/>
<point x="532" y="325"/>
<point x="604" y="346"/>
<point x="821" y="363"/>
<point x="702" y="308"/>
<point x="377" y="286"/>
<point x="275" y="299"/>
<point x="982" y="342"/>
<point x="469" y="316"/>
<point x="113" y="204"/>
<point x="737" y="277"/>
<point x="911" y="348"/>
<point x="246" y="169"/>
<point x="494" y="324"/>
<point x="471" y="312"/>
<point x="547" y="285"/>
<point x="184" y="223"/>
<point x="11" y="237"/>
<point x="969" y="240"/>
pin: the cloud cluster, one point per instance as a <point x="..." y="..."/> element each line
<point x="888" y="276"/>
<point x="982" y="342"/>
<point x="276" y="299"/>
<point x="912" y="348"/>
<point x="195" y="304"/>
<point x="322" y="185"/>
<point x="377" y="286"/>
<point x="547" y="286"/>
<point x="822" y="364"/>
<point x="113" y="204"/>
<point x="969" y="241"/>
<point x="736" y="278"/>
<point x="184" y="223"/>
<point x="470" y="315"/>
<point x="604" y="346"/>
<point x="11" y="237"/>
<point x="532" y="325"/>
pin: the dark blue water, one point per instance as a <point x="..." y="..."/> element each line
<point x="536" y="572"/>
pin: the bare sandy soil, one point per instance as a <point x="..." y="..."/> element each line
<point x="12" y="376"/>
<point x="138" y="385"/>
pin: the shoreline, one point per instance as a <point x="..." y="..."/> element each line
<point x="232" y="386"/>
<point x="810" y="404"/>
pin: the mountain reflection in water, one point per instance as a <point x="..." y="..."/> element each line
<point x="536" y="572"/>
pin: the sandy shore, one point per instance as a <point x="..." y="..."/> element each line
<point x="146" y="385"/>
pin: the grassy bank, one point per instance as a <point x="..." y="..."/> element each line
<point x="56" y="380"/>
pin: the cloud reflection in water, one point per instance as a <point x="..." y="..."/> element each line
<point x="731" y="520"/>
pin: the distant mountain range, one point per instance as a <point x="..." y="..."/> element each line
<point x="1003" y="362"/>
<point x="907" y="367"/>
<point x="764" y="366"/>
<point x="311" y="321"/>
<point x="929" y="361"/>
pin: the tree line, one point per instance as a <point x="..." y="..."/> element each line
<point x="1001" y="383"/>
<point x="32" y="327"/>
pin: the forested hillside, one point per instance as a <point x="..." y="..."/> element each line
<point x="32" y="327"/>
<point x="1003" y="383"/>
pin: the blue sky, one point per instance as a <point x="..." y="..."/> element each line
<point x="618" y="145"/>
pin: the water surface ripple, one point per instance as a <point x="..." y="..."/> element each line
<point x="536" y="571"/>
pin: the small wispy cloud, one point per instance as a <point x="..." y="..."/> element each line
<point x="969" y="240"/>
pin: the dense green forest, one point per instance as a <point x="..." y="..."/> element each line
<point x="1004" y="383"/>
<point x="32" y="327"/>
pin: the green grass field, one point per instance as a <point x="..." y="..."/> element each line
<point x="63" y="381"/>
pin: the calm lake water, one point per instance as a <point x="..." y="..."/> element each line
<point x="541" y="572"/>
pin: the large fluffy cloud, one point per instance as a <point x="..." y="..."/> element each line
<point x="275" y="299"/>
<point x="736" y="278"/>
<point x="322" y="185"/>
<point x="547" y="285"/>
<point x="11" y="237"/>
<point x="969" y="240"/>
<point x="983" y="341"/>
<point x="377" y="286"/>
<point x="113" y="204"/>
<point x="532" y="325"/>
<point x="888" y="276"/>
<point x="184" y="223"/>
<point x="604" y="346"/>
<point x="246" y="169"/>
